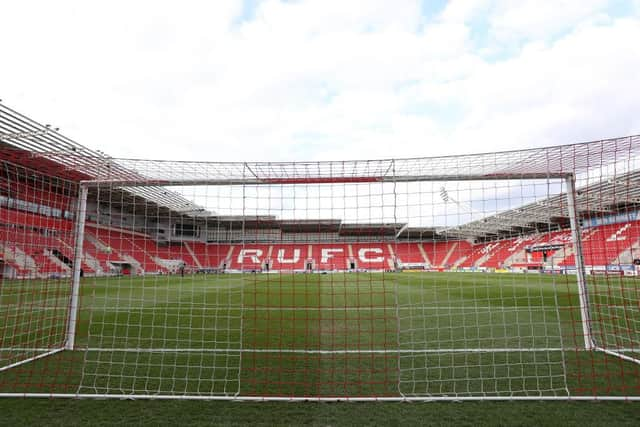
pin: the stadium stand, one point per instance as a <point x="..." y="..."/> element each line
<point x="410" y="253"/>
<point x="332" y="257"/>
<point x="249" y="257"/>
<point x="210" y="256"/>
<point x="447" y="253"/>
<point x="38" y="201"/>
<point x="289" y="257"/>
<point x="371" y="256"/>
<point x="42" y="245"/>
<point x="101" y="256"/>
<point x="42" y="250"/>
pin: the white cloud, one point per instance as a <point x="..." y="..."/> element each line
<point x="579" y="88"/>
<point x="321" y="79"/>
<point x="535" y="19"/>
<point x="463" y="10"/>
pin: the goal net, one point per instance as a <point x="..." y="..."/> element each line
<point x="509" y="275"/>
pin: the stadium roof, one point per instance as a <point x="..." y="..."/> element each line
<point x="310" y="225"/>
<point x="304" y="225"/>
<point x="610" y="196"/>
<point x="28" y="143"/>
<point x="132" y="182"/>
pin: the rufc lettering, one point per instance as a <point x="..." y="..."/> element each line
<point x="292" y="256"/>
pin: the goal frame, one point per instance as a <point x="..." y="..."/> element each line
<point x="569" y="180"/>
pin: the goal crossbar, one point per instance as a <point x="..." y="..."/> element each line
<point x="319" y="180"/>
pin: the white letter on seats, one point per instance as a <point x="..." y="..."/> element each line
<point x="251" y="253"/>
<point x="362" y="254"/>
<point x="328" y="253"/>
<point x="296" y="257"/>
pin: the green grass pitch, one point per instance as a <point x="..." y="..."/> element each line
<point x="333" y="335"/>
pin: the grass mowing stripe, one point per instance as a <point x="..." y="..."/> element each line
<point x="319" y="335"/>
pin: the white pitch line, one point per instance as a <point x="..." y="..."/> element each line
<point x="97" y="309"/>
<point x="241" y="398"/>
<point x="320" y="351"/>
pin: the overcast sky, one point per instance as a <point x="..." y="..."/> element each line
<point x="323" y="79"/>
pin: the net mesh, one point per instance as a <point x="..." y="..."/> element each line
<point x="36" y="246"/>
<point x="406" y="279"/>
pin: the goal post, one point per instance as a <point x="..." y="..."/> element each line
<point x="452" y="278"/>
<point x="74" y="301"/>
<point x="581" y="276"/>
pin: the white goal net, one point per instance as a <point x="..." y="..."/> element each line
<point x="509" y="275"/>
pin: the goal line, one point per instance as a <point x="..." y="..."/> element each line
<point x="320" y="351"/>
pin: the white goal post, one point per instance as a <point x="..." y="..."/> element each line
<point x="287" y="281"/>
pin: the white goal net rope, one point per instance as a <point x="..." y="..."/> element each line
<point x="503" y="276"/>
